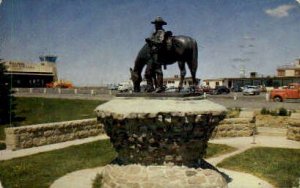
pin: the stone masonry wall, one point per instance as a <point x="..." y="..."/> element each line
<point x="234" y="127"/>
<point x="49" y="133"/>
<point x="128" y="176"/>
<point x="293" y="131"/>
<point x="162" y="139"/>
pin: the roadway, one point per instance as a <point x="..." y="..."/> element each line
<point x="251" y="102"/>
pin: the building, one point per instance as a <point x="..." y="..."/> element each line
<point x="258" y="81"/>
<point x="25" y="74"/>
<point x="289" y="70"/>
<point x="174" y="81"/>
<point x="285" y="75"/>
<point x="212" y="83"/>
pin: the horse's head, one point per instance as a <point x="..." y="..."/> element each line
<point x="136" y="80"/>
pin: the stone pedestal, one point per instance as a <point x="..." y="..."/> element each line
<point x="158" y="131"/>
<point x="129" y="176"/>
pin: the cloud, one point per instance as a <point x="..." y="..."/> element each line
<point x="298" y="1"/>
<point x="280" y="11"/>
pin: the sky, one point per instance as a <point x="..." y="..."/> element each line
<point x="97" y="41"/>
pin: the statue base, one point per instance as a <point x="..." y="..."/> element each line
<point x="156" y="131"/>
<point x="160" y="176"/>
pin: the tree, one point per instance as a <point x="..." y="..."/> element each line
<point x="7" y="104"/>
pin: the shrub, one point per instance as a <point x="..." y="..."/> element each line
<point x="282" y="112"/>
<point x="264" y="111"/>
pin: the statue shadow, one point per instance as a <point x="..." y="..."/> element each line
<point x="206" y="165"/>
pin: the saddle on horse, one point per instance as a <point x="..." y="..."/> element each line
<point x="161" y="48"/>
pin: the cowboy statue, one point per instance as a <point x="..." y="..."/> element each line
<point x="162" y="49"/>
<point x="156" y="42"/>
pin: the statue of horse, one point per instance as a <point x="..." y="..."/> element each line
<point x="183" y="50"/>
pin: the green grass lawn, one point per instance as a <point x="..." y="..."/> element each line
<point x="43" y="110"/>
<point x="41" y="170"/>
<point x="278" y="166"/>
<point x="215" y="150"/>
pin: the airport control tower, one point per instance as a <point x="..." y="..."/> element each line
<point x="50" y="60"/>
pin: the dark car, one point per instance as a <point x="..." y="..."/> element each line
<point x="221" y="90"/>
<point x="236" y="89"/>
<point x="204" y="89"/>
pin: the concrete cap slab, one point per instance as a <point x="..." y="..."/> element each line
<point x="122" y="108"/>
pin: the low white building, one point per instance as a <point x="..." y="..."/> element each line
<point x="212" y="83"/>
<point x="174" y="81"/>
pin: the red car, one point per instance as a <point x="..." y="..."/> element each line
<point x="290" y="92"/>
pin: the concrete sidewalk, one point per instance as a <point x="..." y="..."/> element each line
<point x="241" y="179"/>
<point x="9" y="154"/>
<point x="84" y="178"/>
<point x="244" y="143"/>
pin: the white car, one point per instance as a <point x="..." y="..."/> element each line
<point x="125" y="86"/>
<point x="251" y="90"/>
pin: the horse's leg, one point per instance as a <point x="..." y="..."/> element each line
<point x="181" y="66"/>
<point x="193" y="69"/>
<point x="159" y="78"/>
<point x="193" y="64"/>
<point x="149" y="77"/>
<point x="154" y="80"/>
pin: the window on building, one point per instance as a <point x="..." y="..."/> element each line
<point x="217" y="83"/>
<point x="281" y="73"/>
<point x="207" y="83"/>
<point x="297" y="72"/>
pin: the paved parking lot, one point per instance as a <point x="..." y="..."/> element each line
<point x="253" y="102"/>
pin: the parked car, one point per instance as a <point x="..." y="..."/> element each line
<point x="112" y="87"/>
<point x="125" y="87"/>
<point x="204" y="89"/>
<point x="171" y="89"/>
<point x="221" y="90"/>
<point x="251" y="90"/>
<point x="292" y="91"/>
<point x="236" y="89"/>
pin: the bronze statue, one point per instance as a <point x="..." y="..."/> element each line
<point x="164" y="50"/>
<point x="153" y="71"/>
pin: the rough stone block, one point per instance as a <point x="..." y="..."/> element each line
<point x="160" y="176"/>
<point x="247" y="114"/>
<point x="293" y="133"/>
<point x="48" y="133"/>
<point x="295" y="115"/>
